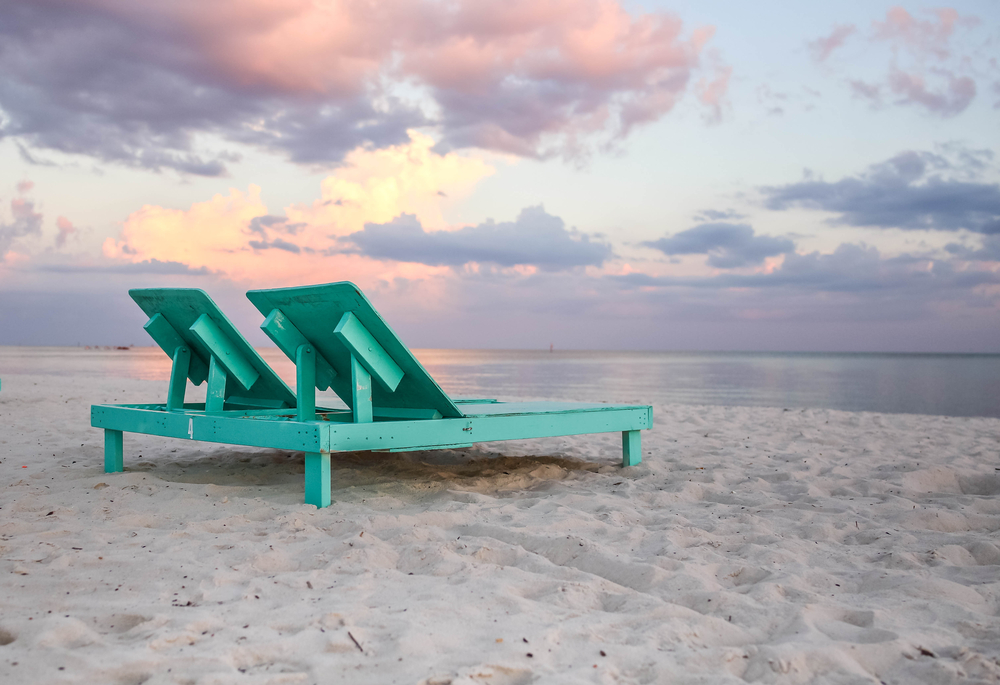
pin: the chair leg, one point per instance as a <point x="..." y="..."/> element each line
<point x="114" y="454"/>
<point x="631" y="448"/>
<point x="318" y="479"/>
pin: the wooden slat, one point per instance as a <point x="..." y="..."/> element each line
<point x="270" y="405"/>
<point x="424" y="448"/>
<point x="305" y="382"/>
<point x="164" y="335"/>
<point x="114" y="455"/>
<point x="363" y="346"/>
<point x="224" y="351"/>
<point x="404" y="413"/>
<point x="287" y="337"/>
<point x="234" y="430"/>
<point x="181" y="308"/>
<point x="215" y="394"/>
<point x="318" y="479"/>
<point x="383" y="435"/>
<point x="316" y="311"/>
<point x="178" y="378"/>
<point x="361" y="392"/>
<point x="631" y="448"/>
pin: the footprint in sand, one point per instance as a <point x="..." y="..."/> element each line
<point x="985" y="485"/>
<point x="119" y="623"/>
<point x="846" y="625"/>
<point x="67" y="633"/>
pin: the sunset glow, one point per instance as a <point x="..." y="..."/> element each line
<point x="506" y="173"/>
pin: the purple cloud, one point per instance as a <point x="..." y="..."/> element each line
<point x="535" y="238"/>
<point x="727" y="245"/>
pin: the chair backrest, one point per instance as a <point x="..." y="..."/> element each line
<point x="188" y="317"/>
<point x="339" y="322"/>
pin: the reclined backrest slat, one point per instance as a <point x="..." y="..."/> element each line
<point x="401" y="382"/>
<point x="173" y="312"/>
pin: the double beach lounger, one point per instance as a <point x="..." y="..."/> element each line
<point x="338" y="341"/>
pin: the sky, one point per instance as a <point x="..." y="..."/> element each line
<point x="590" y="174"/>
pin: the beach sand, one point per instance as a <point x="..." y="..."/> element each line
<point x="752" y="544"/>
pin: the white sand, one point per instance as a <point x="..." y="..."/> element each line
<point x="751" y="545"/>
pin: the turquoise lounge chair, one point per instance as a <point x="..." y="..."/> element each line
<point x="338" y="341"/>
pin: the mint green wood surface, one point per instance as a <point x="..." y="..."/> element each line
<point x="361" y="392"/>
<point x="305" y="382"/>
<point x="224" y="352"/>
<point x="316" y="310"/>
<point x="631" y="448"/>
<point x="169" y="340"/>
<point x="215" y="392"/>
<point x="328" y="434"/>
<point x="178" y="377"/>
<point x="180" y="309"/>
<point x="114" y="451"/>
<point x="288" y="339"/>
<point x="318" y="479"/>
<point x="365" y="348"/>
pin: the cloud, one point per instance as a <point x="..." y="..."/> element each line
<point x="821" y="48"/>
<point x="866" y="91"/>
<point x="707" y="215"/>
<point x="727" y="245"/>
<point x="261" y="224"/>
<point x="537" y="78"/>
<point x="237" y="236"/>
<point x="854" y="298"/>
<point x="711" y="93"/>
<point x="140" y="83"/>
<point x="950" y="100"/>
<point x="66" y="229"/>
<point x="24" y="221"/>
<point x="535" y="238"/>
<point x="858" y="272"/>
<point x="147" y="266"/>
<point x="928" y="37"/>
<point x="923" y="71"/>
<point x="276" y="244"/>
<point x="909" y="191"/>
<point x="988" y="252"/>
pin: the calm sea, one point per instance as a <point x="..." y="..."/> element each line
<point x="945" y="384"/>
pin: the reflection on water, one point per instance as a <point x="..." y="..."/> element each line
<point x="144" y="363"/>
<point x="954" y="385"/>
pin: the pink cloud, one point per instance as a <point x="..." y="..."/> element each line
<point x="530" y="77"/>
<point x="25" y="221"/>
<point x="66" y="229"/>
<point x="949" y="101"/>
<point x="711" y="93"/>
<point x="945" y="89"/>
<point x="927" y="37"/>
<point x="821" y="48"/>
<point x="535" y="77"/>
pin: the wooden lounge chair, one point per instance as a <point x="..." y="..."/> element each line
<point x="204" y="346"/>
<point x="338" y="341"/>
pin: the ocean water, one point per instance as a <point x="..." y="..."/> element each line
<point x="943" y="384"/>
